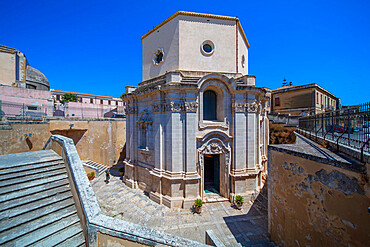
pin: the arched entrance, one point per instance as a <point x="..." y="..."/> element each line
<point x="214" y="165"/>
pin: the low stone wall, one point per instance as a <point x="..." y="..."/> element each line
<point x="99" y="140"/>
<point x="101" y="230"/>
<point x="316" y="198"/>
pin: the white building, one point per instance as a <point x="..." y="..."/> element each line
<point x="196" y="125"/>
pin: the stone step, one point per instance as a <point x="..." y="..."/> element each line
<point x="94" y="165"/>
<point x="77" y="240"/>
<point x="33" y="190"/>
<point x="31" y="183"/>
<point x="18" y="175"/>
<point x="33" y="177"/>
<point x="34" y="205"/>
<point x="28" y="158"/>
<point x="69" y="235"/>
<point x="34" y="166"/>
<point x="52" y="234"/>
<point x="28" y="198"/>
<point x="6" y="224"/>
<point x="23" y="229"/>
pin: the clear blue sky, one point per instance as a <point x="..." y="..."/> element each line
<point x="94" y="46"/>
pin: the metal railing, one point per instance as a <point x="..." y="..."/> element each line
<point x="73" y="110"/>
<point x="349" y="126"/>
<point x="22" y="110"/>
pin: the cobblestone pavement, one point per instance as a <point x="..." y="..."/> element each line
<point x="246" y="227"/>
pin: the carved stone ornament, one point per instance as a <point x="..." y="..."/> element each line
<point x="213" y="146"/>
<point x="246" y="107"/>
<point x="131" y="110"/>
<point x="175" y="107"/>
<point x="145" y="117"/>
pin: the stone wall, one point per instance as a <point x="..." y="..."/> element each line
<point x="316" y="198"/>
<point x="102" y="141"/>
<point x="281" y="134"/>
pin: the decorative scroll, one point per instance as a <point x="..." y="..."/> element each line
<point x="247" y="107"/>
<point x="213" y="146"/>
<point x="175" y="107"/>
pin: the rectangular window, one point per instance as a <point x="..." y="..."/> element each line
<point x="116" y="102"/>
<point x="32" y="108"/>
<point x="91" y="101"/>
<point x="108" y="102"/>
<point x="58" y="97"/>
<point x="317" y="99"/>
<point x="80" y="100"/>
<point x="277" y="101"/>
<point x="101" y="101"/>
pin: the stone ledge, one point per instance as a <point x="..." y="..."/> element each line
<point x="308" y="149"/>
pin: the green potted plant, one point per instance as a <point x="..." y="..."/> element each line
<point x="239" y="202"/>
<point x="91" y="175"/>
<point x="121" y="171"/>
<point x="198" y="203"/>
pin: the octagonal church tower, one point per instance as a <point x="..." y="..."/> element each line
<point x="196" y="124"/>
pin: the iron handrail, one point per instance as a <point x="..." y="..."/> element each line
<point x="338" y="140"/>
<point x="362" y="150"/>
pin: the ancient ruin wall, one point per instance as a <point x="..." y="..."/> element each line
<point x="316" y="204"/>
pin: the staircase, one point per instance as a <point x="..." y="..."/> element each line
<point x="36" y="203"/>
<point x="99" y="168"/>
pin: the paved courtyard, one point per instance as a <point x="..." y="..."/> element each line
<point x="246" y="227"/>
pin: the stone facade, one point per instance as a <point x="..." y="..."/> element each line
<point x="303" y="100"/>
<point x="170" y="142"/>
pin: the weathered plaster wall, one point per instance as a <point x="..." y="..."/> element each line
<point x="102" y="141"/>
<point x="316" y="204"/>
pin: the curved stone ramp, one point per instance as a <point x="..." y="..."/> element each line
<point x="36" y="203"/>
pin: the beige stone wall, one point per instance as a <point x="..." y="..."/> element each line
<point x="7" y="68"/>
<point x="194" y="31"/>
<point x="100" y="141"/>
<point x="293" y="99"/>
<point x="316" y="204"/>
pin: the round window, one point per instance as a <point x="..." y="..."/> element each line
<point x="207" y="47"/>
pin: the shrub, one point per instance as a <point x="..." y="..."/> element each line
<point x="91" y="174"/>
<point x="239" y="199"/>
<point x="198" y="203"/>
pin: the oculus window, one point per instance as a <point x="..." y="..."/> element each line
<point x="207" y="48"/>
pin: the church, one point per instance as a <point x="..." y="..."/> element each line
<point x="197" y="125"/>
